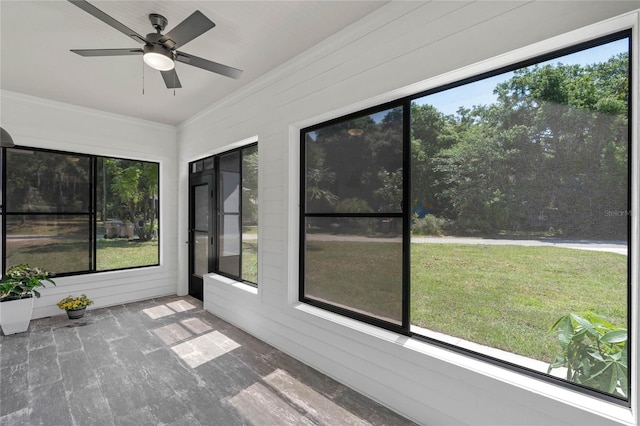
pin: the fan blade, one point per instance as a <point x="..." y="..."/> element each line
<point x="107" y="52"/>
<point x="171" y="79"/>
<point x="194" y="25"/>
<point x="92" y="10"/>
<point x="208" y="65"/>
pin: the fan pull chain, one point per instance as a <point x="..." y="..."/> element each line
<point x="142" y="77"/>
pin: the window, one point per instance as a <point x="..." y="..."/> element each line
<point x="516" y="220"/>
<point x="50" y="217"/>
<point x="353" y="211"/>
<point x="127" y="210"/>
<point x="235" y="227"/>
<point x="249" y="213"/>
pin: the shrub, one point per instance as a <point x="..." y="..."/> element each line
<point x="428" y="225"/>
<point x="593" y="351"/>
<point x="353" y="205"/>
<point x="354" y="225"/>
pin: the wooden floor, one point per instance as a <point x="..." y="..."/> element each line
<point x="165" y="362"/>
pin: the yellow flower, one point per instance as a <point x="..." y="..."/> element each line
<point x="70" y="302"/>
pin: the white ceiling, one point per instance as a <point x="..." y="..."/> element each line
<point x="255" y="36"/>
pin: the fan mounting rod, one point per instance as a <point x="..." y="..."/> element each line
<point x="158" y="21"/>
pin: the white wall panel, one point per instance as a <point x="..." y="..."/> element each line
<point x="40" y="123"/>
<point x="401" y="48"/>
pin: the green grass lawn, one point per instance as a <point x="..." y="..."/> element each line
<point x="120" y="253"/>
<point x="62" y="245"/>
<point x="70" y="255"/>
<point x="505" y="297"/>
<point x="53" y="255"/>
<point x="359" y="275"/>
<point x="250" y="260"/>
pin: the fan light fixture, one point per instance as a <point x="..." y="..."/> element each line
<point x="157" y="57"/>
<point x="6" y="141"/>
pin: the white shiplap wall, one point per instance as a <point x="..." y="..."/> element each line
<point x="400" y="48"/>
<point x="41" y="123"/>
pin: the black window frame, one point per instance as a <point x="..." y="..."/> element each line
<point x="91" y="211"/>
<point x="210" y="166"/>
<point x="405" y="328"/>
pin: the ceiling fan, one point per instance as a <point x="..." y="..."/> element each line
<point x="160" y="51"/>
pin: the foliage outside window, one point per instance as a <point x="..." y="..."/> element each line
<point x="518" y="212"/>
<point x="50" y="217"/>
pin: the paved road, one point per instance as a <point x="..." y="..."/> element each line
<point x="618" y="247"/>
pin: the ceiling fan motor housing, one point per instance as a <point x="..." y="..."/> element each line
<point x="158" y="22"/>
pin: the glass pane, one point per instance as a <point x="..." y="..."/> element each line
<point x="1" y="177"/>
<point x="230" y="231"/>
<point x="250" y="257"/>
<point x="201" y="207"/>
<point x="348" y="264"/>
<point x="250" y="214"/>
<point x="39" y="181"/>
<point x="208" y="163"/>
<point x="230" y="238"/>
<point x="58" y="244"/>
<point x="356" y="166"/>
<point x="230" y="182"/>
<point x="127" y="208"/>
<point x="201" y="253"/>
<point x="229" y="261"/>
<point x="520" y="201"/>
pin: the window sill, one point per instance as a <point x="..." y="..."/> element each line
<point x="221" y="279"/>
<point x="554" y="393"/>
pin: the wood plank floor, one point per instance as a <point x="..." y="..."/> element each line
<point x="165" y="361"/>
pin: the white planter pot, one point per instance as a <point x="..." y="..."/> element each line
<point x="15" y="315"/>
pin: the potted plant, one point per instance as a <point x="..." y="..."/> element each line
<point x="75" y="306"/>
<point x="17" y="290"/>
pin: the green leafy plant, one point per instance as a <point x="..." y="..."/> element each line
<point x="70" y="303"/>
<point x="593" y="351"/>
<point x="21" y="281"/>
<point x="428" y="225"/>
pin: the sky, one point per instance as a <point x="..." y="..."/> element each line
<point x="481" y="92"/>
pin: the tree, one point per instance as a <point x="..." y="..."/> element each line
<point x="319" y="178"/>
<point x="39" y="181"/>
<point x="350" y="159"/>
<point x="550" y="154"/>
<point x="133" y="192"/>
